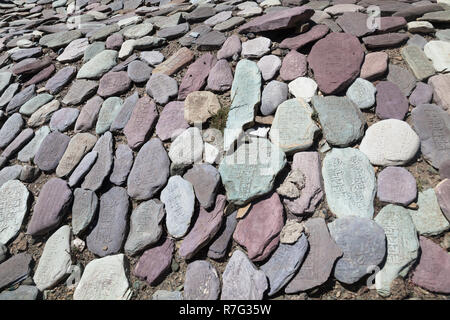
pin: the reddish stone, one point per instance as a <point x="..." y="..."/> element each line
<point x="196" y="75"/>
<point x="205" y="228"/>
<point x="114" y="83"/>
<point x="31" y="65"/>
<point x="278" y="20"/>
<point x="232" y="46"/>
<point x="171" y="122"/>
<point x="389" y="24"/>
<point x="259" y="230"/>
<point x="391" y="102"/>
<point x="375" y="65"/>
<point x="336" y="61"/>
<point x="294" y="65"/>
<point x="294" y="43"/>
<point x="154" y="262"/>
<point x="175" y="62"/>
<point x="114" y="41"/>
<point x="432" y="272"/>
<point x="42" y="75"/>
<point x="142" y="120"/>
<point x="88" y="114"/>
<point x="443" y="195"/>
<point x="385" y="40"/>
<point x="220" y="77"/>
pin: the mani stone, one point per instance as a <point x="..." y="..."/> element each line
<point x="187" y="148"/>
<point x="242" y="280"/>
<point x="311" y="194"/>
<point x="389" y="181"/>
<point x="59" y="39"/>
<point x="220" y="243"/>
<point x="269" y="66"/>
<point x="108" y="234"/>
<point x="73" y="51"/>
<point x="205" y="228"/>
<point x="104" y="147"/>
<point x="363" y="243"/>
<point x="195" y="76"/>
<point x="443" y="195"/>
<point x="246" y="179"/>
<point x="8" y="94"/>
<point x="29" y="107"/>
<point x="93" y="49"/>
<point x="402" y="246"/>
<point x="212" y="40"/>
<point x="278" y="20"/>
<point x="51" y="151"/>
<point x="294" y="43"/>
<point x="43" y="114"/>
<point x="342" y="121"/>
<point x="375" y="65"/>
<point x="293" y="128"/>
<point x="139" y="71"/>
<point x="259" y="230"/>
<point x="294" y="66"/>
<point x="104" y="279"/>
<point x="179" y="200"/>
<point x="155" y="261"/>
<point x="108" y="112"/>
<point x="441" y="90"/>
<point x="349" y="181"/>
<point x="142" y="121"/>
<point x="205" y="179"/>
<point x="15" y="269"/>
<point x="245" y="95"/>
<point x="10" y="129"/>
<point x="201" y="281"/>
<point x="432" y="124"/>
<point x="84" y="207"/>
<point x="145" y="226"/>
<point x="274" y="94"/>
<point x="80" y="91"/>
<point x="336" y="61"/>
<point x="438" y="52"/>
<point x="171" y="121"/>
<point x="79" y="145"/>
<point x="256" y="48"/>
<point x="390" y="142"/>
<point x="29" y="151"/>
<point x="318" y="264"/>
<point x="391" y="101"/>
<point x="418" y="41"/>
<point x="5" y="79"/>
<point x="150" y="170"/>
<point x="402" y="77"/>
<point x="98" y="65"/>
<point x="64" y="118"/>
<point x="113" y="84"/>
<point x="161" y="87"/>
<point x="23" y="292"/>
<point x="418" y="62"/>
<point x="199" y="106"/>
<point x="303" y="87"/>
<point x="387" y="40"/>
<point x="284" y="263"/>
<point x="13" y="208"/>
<point x="434" y="266"/>
<point x="10" y="173"/>
<point x="362" y="93"/>
<point x="125" y="112"/>
<point x="83" y="168"/>
<point x="429" y="219"/>
<point x="123" y="160"/>
<point x="422" y="94"/>
<point x="232" y="46"/>
<point x="50" y="207"/>
<point x="175" y="62"/>
<point x="229" y="24"/>
<point x="55" y="260"/>
<point x="220" y="77"/>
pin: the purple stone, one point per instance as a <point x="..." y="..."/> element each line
<point x="123" y="160"/>
<point x="15" y="269"/>
<point x="88" y="114"/>
<point x="63" y="119"/>
<point x="396" y="185"/>
<point x="51" y="151"/>
<point x="202" y="281"/>
<point x="317" y="32"/>
<point x="171" y="121"/>
<point x="125" y="113"/>
<point x="205" y="179"/>
<point x="443" y="195"/>
<point x="141" y="122"/>
<point x="294" y="65"/>
<point x="220" y="77"/>
<point x="60" y="79"/>
<point x="423" y="93"/>
<point x="219" y="245"/>
<point x="232" y="46"/>
<point x="113" y="84"/>
<point x="391" y="102"/>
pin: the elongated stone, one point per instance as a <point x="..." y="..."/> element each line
<point x="80" y="91"/>
<point x="220" y="243"/>
<point x="35" y="103"/>
<point x="51" y="151"/>
<point x="418" y="62"/>
<point x="196" y="75"/>
<point x="175" y="62"/>
<point x="98" y="65"/>
<point x="60" y="79"/>
<point x="29" y="151"/>
<point x="142" y="121"/>
<point x="84" y="208"/>
<point x="15" y="269"/>
<point x="123" y="160"/>
<point x="88" y="114"/>
<point x="201" y="282"/>
<point x="78" y="146"/>
<point x="108" y="112"/>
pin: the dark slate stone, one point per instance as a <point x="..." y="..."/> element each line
<point x="123" y="160"/>
<point x="51" y="151"/>
<point x="15" y="269"/>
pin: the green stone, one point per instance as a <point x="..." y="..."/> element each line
<point x="98" y="65"/>
<point x="110" y="109"/>
<point x="29" y="107"/>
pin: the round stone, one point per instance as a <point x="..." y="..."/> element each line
<point x="396" y="185"/>
<point x="362" y="93"/>
<point x="139" y="71"/>
<point x="269" y="66"/>
<point x="201" y="282"/>
<point x="303" y="87"/>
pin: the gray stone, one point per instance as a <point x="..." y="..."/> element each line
<point x="20" y="98"/>
<point x="418" y="62"/>
<point x="152" y="58"/>
<point x="187" y="148"/>
<point x="363" y="243"/>
<point x="174" y="32"/>
<point x="51" y="150"/>
<point x="256" y="48"/>
<point x="402" y="77"/>
<point x="161" y="87"/>
<point x="201" y="281"/>
<point x="220" y="243"/>
<point x="417" y="40"/>
<point x="362" y="93"/>
<point x="15" y="269"/>
<point x="93" y="49"/>
<point x="211" y="40"/>
<point x="80" y="91"/>
<point x="125" y="112"/>
<point x="63" y="119"/>
<point x="98" y="65"/>
<point x="8" y="94"/>
<point x="108" y="112"/>
<point x="73" y="51"/>
<point x="35" y="103"/>
<point x="5" y="79"/>
<point x="59" y="39"/>
<point x="273" y="95"/>
<point x="10" y="173"/>
<point x="145" y="226"/>
<point x="422" y="94"/>
<point x="84" y="208"/>
<point x="269" y="66"/>
<point x="123" y="160"/>
<point x="79" y="145"/>
<point x="167" y="295"/>
<point x="139" y="71"/>
<point x="23" y="292"/>
<point x="349" y="181"/>
<point x="83" y="168"/>
<point x="10" y="129"/>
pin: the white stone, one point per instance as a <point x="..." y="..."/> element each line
<point x="129" y="21"/>
<point x="256" y="48"/>
<point x="127" y="48"/>
<point x="55" y="260"/>
<point x="390" y="142"/>
<point x="270" y="3"/>
<point x="104" y="279"/>
<point x="74" y="50"/>
<point x="303" y="87"/>
<point x="420" y="27"/>
<point x="439" y="52"/>
<point x="187" y="148"/>
<point x="13" y="208"/>
<point x="210" y="153"/>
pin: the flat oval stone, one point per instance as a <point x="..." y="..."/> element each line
<point x="93" y="49"/>
<point x="88" y="114"/>
<point x="256" y="48"/>
<point x="152" y="58"/>
<point x="84" y="208"/>
<point x="402" y="77"/>
<point x="125" y="113"/>
<point x="123" y="160"/>
<point x="63" y="119"/>
<point x="29" y="107"/>
<point x="432" y="124"/>
<point x="13" y="208"/>
<point x="402" y="246"/>
<point x="387" y="40"/>
<point x="113" y="84"/>
<point x="108" y="234"/>
<point x="362" y="93"/>
<point x="98" y="65"/>
<point x="171" y="121"/>
<point x="104" y="147"/>
<point x="205" y="179"/>
<point x="51" y="151"/>
<point x="390" y="142"/>
<point x="10" y="129"/>
<point x="179" y="199"/>
<point x="10" y="173"/>
<point x="442" y="193"/>
<point x="150" y="170"/>
<point x="23" y="292"/>
<point x="104" y="279"/>
<point x="441" y="91"/>
<point x="245" y="181"/>
<point x="391" y="102"/>
<point x="284" y="263"/>
<point x="15" y="269"/>
<point x="201" y="281"/>
<point x="294" y="66"/>
<point x="375" y="65"/>
<point x="205" y="228"/>
<point x="108" y="112"/>
<point x="418" y="62"/>
<point x="349" y="181"/>
<point x="422" y="94"/>
<point x="336" y="61"/>
<point x="161" y="87"/>
<point x="196" y="75"/>
<point x="55" y="260"/>
<point x="199" y="106"/>
<point x="139" y="71"/>
<point x="269" y="66"/>
<point x="59" y="39"/>
<point x="73" y="51"/>
<point x="389" y="181"/>
<point x="318" y="264"/>
<point x="154" y="262"/>
<point x="187" y="148"/>
<point x="294" y="43"/>
<point x="220" y="243"/>
<point x="242" y="280"/>
<point x="29" y="151"/>
<point x="50" y="207"/>
<point x="138" y="31"/>
<point x="220" y="77"/>
<point x="259" y="230"/>
<point x="80" y="91"/>
<point x="142" y="121"/>
<point x="273" y="95"/>
<point x="20" y="98"/>
<point x="175" y="62"/>
<point x="363" y="243"/>
<point x="232" y="46"/>
<point x="437" y="51"/>
<point x="114" y="41"/>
